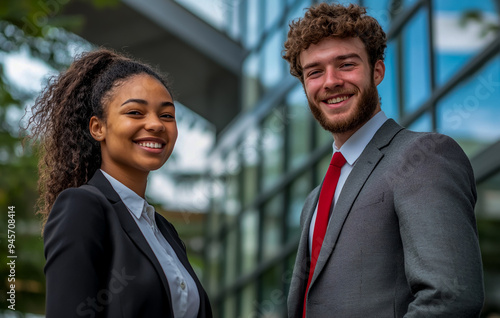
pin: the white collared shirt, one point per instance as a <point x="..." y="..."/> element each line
<point x="351" y="150"/>
<point x="183" y="290"/>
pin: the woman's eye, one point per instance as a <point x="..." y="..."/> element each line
<point x="167" y="116"/>
<point x="133" y="112"/>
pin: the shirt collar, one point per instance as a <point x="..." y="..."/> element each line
<point x="132" y="200"/>
<point x="354" y="146"/>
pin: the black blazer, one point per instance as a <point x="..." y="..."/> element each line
<point x="98" y="262"/>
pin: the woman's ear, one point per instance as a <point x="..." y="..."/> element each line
<point x="97" y="129"/>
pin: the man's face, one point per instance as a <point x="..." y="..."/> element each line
<point x="340" y="84"/>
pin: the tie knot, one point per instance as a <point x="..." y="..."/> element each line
<point x="338" y="160"/>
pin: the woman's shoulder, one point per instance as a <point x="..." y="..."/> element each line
<point x="78" y="209"/>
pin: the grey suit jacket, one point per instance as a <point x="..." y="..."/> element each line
<point x="402" y="238"/>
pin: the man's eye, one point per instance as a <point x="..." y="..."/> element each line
<point x="313" y="73"/>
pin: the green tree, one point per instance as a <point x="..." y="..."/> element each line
<point x="38" y="28"/>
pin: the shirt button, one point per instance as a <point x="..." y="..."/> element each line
<point x="183" y="285"/>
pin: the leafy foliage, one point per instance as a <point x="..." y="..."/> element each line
<point x="39" y="29"/>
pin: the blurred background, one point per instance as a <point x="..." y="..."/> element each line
<point x="248" y="151"/>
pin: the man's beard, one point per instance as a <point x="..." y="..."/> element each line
<point x="365" y="109"/>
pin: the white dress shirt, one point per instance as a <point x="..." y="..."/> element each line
<point x="351" y="150"/>
<point x="183" y="290"/>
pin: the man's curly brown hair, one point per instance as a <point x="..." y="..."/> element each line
<point x="333" y="20"/>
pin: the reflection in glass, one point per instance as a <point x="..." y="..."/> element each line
<point x="272" y="139"/>
<point x="388" y="88"/>
<point x="416" y="62"/>
<point x="299" y="190"/>
<point x="470" y="113"/>
<point x="323" y="136"/>
<point x="273" y="11"/>
<point x="273" y="300"/>
<point x="298" y="119"/>
<point x="488" y="223"/>
<point x="274" y="65"/>
<point x="379" y="9"/>
<point x="251" y="82"/>
<point x="423" y="123"/>
<point x="458" y="38"/>
<point x="253" y="23"/>
<point x="230" y="256"/>
<point x="248" y="297"/>
<point x="232" y="203"/>
<point x="272" y="227"/>
<point x="249" y="240"/>
<point x="250" y="155"/>
<point x="287" y="276"/>
<point x="230" y="306"/>
<point x="215" y="257"/>
<point x="322" y="167"/>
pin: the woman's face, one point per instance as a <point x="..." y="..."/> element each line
<point x="140" y="129"/>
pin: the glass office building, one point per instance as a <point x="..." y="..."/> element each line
<point x="442" y="74"/>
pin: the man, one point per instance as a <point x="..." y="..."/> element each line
<point x="396" y="235"/>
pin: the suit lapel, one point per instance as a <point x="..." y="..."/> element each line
<point x="129" y="225"/>
<point x="361" y="171"/>
<point x="181" y="255"/>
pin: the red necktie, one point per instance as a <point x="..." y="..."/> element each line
<point x="323" y="214"/>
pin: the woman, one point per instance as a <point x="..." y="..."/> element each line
<point x="104" y="124"/>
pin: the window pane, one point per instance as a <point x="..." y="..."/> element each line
<point x="230" y="256"/>
<point x="251" y="82"/>
<point x="248" y="297"/>
<point x="299" y="133"/>
<point x="287" y="276"/>
<point x="230" y="306"/>
<point x="253" y="23"/>
<point x="274" y="9"/>
<point x="272" y="227"/>
<point x="234" y="12"/>
<point x="299" y="190"/>
<point x="232" y="203"/>
<point x="423" y="123"/>
<point x="322" y="167"/>
<point x="272" y="147"/>
<point x="470" y="113"/>
<point x="297" y="10"/>
<point x="462" y="29"/>
<point x="388" y="88"/>
<point x="215" y="258"/>
<point x="274" y="65"/>
<point x="416" y="62"/>
<point x="488" y="223"/>
<point x="323" y="136"/>
<point x="379" y="9"/>
<point x="273" y="301"/>
<point x="249" y="240"/>
<point x="250" y="155"/>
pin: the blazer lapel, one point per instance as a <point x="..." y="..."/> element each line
<point x="365" y="165"/>
<point x="128" y="224"/>
<point x="182" y="256"/>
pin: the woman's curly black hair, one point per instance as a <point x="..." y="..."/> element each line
<point x="69" y="155"/>
<point x="333" y="20"/>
